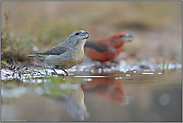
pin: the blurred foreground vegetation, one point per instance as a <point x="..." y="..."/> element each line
<point x="29" y="27"/>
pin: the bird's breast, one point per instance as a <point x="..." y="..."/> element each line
<point x="77" y="56"/>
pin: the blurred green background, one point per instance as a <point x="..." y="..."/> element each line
<point x="156" y="27"/>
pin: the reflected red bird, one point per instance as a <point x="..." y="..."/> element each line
<point x="106" y="87"/>
<point x="107" y="49"/>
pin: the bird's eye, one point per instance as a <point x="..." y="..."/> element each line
<point x="121" y="36"/>
<point x="77" y="33"/>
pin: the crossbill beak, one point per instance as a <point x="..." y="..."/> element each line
<point x="85" y="35"/>
<point x="129" y="38"/>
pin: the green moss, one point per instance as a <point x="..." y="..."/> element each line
<point x="15" y="45"/>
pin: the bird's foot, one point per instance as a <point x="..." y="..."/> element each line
<point x="60" y="75"/>
<point x="53" y="73"/>
<point x="66" y="72"/>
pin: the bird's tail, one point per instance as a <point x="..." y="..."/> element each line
<point x="31" y="55"/>
<point x="42" y="57"/>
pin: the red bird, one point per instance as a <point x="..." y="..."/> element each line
<point x="107" y="49"/>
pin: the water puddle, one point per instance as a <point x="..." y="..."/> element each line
<point x="122" y="93"/>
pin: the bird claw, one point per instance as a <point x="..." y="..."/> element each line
<point x="53" y="73"/>
<point x="60" y="75"/>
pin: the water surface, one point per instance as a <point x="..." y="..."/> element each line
<point x="134" y="95"/>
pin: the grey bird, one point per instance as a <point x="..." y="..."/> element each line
<point x="66" y="54"/>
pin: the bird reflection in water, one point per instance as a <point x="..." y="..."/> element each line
<point x="73" y="100"/>
<point x="106" y="87"/>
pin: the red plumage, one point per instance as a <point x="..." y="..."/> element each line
<point x="106" y="49"/>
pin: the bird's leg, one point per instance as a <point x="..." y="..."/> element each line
<point x="61" y="74"/>
<point x="65" y="72"/>
<point x="55" y="71"/>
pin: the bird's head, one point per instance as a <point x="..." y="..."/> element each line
<point x="78" y="38"/>
<point x="123" y="36"/>
<point x="119" y="39"/>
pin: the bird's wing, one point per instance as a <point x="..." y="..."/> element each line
<point x="57" y="50"/>
<point x="101" y="46"/>
<point x="95" y="46"/>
